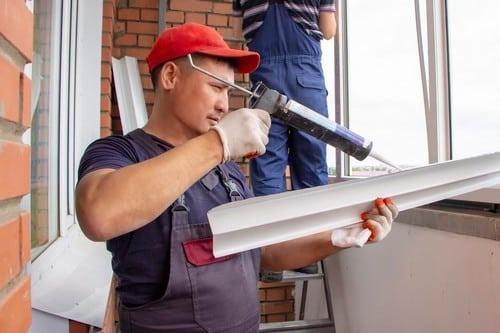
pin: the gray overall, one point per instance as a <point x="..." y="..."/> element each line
<point x="204" y="294"/>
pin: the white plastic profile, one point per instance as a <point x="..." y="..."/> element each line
<point x="129" y="93"/>
<point x="260" y="221"/>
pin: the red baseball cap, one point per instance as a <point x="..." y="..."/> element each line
<point x="191" y="37"/>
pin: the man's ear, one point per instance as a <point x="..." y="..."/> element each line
<point x="168" y="75"/>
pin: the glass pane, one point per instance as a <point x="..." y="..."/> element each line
<point x="44" y="228"/>
<point x="474" y="35"/>
<point x="385" y="92"/>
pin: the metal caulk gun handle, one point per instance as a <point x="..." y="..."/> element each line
<point x="311" y="122"/>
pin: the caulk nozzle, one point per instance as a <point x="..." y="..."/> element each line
<point x="384" y="160"/>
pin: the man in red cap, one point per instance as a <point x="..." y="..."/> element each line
<point x="147" y="194"/>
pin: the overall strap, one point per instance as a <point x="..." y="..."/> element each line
<point x="153" y="150"/>
<point x="229" y="184"/>
<point x="180" y="205"/>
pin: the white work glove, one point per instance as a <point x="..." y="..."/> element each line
<point x="351" y="236"/>
<point x="243" y="133"/>
<point x="375" y="226"/>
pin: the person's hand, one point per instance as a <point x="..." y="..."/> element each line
<point x="376" y="225"/>
<point x="352" y="236"/>
<point x="243" y="133"/>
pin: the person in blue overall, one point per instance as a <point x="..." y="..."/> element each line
<point x="287" y="36"/>
<point x="147" y="194"/>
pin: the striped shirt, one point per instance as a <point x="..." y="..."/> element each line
<point x="304" y="12"/>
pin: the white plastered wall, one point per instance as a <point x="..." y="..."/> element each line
<point x="417" y="280"/>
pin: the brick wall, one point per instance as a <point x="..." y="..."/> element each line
<point x="16" y="46"/>
<point x="107" y="94"/>
<point x="133" y="32"/>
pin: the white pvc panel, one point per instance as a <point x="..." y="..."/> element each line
<point x="129" y="93"/>
<point x="260" y="221"/>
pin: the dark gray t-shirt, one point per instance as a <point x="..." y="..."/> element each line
<point x="141" y="258"/>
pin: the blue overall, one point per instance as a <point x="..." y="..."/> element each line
<point x="291" y="64"/>
<point x="203" y="294"/>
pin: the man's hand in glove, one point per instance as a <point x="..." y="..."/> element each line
<point x="243" y="133"/>
<point x="375" y="226"/>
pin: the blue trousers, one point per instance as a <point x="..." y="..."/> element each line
<point x="291" y="64"/>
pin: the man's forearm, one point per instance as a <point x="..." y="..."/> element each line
<point x="113" y="202"/>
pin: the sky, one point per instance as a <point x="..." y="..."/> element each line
<point x="385" y="97"/>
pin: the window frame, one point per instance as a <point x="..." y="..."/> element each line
<point x="438" y="110"/>
<point x="65" y="261"/>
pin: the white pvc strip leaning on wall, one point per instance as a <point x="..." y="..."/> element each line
<point x="129" y="93"/>
<point x="260" y="221"/>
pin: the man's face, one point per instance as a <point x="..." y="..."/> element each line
<point x="200" y="100"/>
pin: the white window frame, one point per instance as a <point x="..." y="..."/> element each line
<point x="71" y="258"/>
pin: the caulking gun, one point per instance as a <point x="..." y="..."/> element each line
<point x="305" y="119"/>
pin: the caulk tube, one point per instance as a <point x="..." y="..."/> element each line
<point x="311" y="122"/>
<point x="322" y="128"/>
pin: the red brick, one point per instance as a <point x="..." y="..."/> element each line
<point x="10" y="264"/>
<point x="14" y="169"/>
<point x="143" y="68"/>
<point x="119" y="27"/>
<point x="149" y="15"/>
<point x="145" y="41"/>
<point x="105" y="119"/>
<point x="117" y="52"/>
<point x="108" y="9"/>
<point x="191" y="5"/>
<point x="275" y="284"/>
<point x="149" y="96"/>
<point x="139" y="53"/>
<point x="104" y="132"/>
<point x="25" y="236"/>
<point x="105" y="103"/>
<point x="275" y="294"/>
<point x="107" y="24"/>
<point x="142" y="28"/>
<point x="105" y="85"/>
<point x="106" y="53"/>
<point x="217" y="20"/>
<point x="107" y="40"/>
<point x="276" y="307"/>
<point x="143" y="3"/>
<point x="126" y="40"/>
<point x="276" y="318"/>
<point x="223" y="8"/>
<point x="225" y="32"/>
<point x="174" y="16"/>
<point x="16" y="26"/>
<point x="146" y="82"/>
<point x="106" y="75"/>
<point x="196" y="17"/>
<point x="128" y="14"/>
<point x="262" y="294"/>
<point x="9" y="91"/>
<point x="15" y="307"/>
